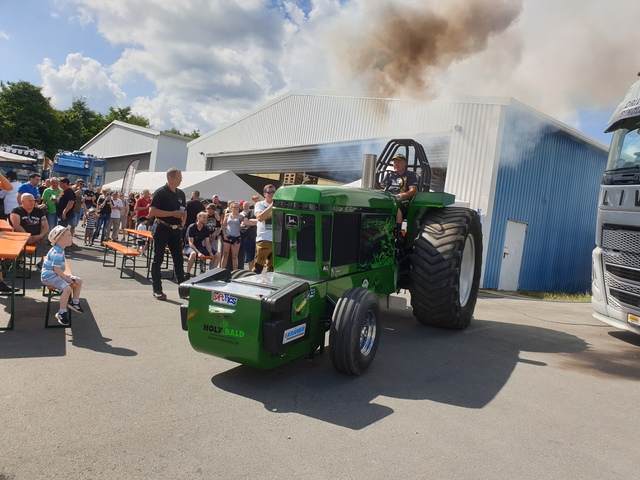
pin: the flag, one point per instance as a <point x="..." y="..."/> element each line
<point x="129" y="176"/>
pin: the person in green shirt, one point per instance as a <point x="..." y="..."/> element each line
<point x="50" y="197"/>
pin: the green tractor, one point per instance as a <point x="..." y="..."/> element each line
<point x="336" y="256"/>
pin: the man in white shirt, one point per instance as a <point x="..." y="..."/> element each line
<point x="264" y="237"/>
<point x="10" y="196"/>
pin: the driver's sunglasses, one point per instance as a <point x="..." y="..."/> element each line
<point x="270" y="191"/>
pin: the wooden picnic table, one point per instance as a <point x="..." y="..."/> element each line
<point x="11" y="246"/>
<point x="146" y="234"/>
<point x="143" y="233"/>
<point x="5" y="226"/>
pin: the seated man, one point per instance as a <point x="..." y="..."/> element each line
<point x="28" y="218"/>
<point x="403" y="184"/>
<point x="198" y="243"/>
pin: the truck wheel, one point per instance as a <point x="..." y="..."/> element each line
<point x="239" y="273"/>
<point x="355" y="331"/>
<point x="445" y="268"/>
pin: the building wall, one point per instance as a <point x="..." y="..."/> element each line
<point x="172" y="152"/>
<point x="117" y="141"/>
<point x="300" y="119"/>
<point x="549" y="180"/>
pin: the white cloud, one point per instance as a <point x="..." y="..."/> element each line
<point x="4" y="35"/>
<point x="210" y="61"/>
<point x="80" y="77"/>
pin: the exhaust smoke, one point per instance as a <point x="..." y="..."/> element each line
<point x="399" y="49"/>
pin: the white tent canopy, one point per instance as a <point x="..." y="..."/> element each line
<point x="223" y="183"/>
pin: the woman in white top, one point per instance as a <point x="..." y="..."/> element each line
<point x="231" y="235"/>
<point x="116" y="217"/>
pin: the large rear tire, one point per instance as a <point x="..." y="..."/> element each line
<point x="445" y="268"/>
<point x="355" y="331"/>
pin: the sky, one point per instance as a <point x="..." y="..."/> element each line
<point x="200" y="64"/>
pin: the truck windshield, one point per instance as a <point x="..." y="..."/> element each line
<point x="22" y="170"/>
<point x="624" y="154"/>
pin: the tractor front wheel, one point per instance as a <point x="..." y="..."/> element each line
<point x="355" y="331"/>
<point x="445" y="268"/>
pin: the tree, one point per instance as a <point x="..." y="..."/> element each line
<point x="79" y="124"/>
<point x="194" y="134"/>
<point x="125" y="115"/>
<point x="27" y="117"/>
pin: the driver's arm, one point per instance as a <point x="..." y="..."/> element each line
<point x="413" y="189"/>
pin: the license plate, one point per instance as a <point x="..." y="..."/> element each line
<point x="633" y="319"/>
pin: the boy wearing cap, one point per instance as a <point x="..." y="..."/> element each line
<point x="53" y="274"/>
<point x="89" y="221"/>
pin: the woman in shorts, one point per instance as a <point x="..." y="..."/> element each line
<point x="231" y="235"/>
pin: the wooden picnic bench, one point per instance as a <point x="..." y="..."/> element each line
<point x="28" y="260"/>
<point x="11" y="245"/>
<point x="127" y="254"/>
<point x="54" y="292"/>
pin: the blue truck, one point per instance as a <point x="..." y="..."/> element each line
<point x="77" y="164"/>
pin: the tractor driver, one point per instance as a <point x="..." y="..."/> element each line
<point x="403" y="184"/>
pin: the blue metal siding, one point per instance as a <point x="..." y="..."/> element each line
<point x="549" y="180"/>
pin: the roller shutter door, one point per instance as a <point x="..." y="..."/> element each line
<point x="117" y="166"/>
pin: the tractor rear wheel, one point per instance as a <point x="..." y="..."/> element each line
<point x="355" y="331"/>
<point x="445" y="268"/>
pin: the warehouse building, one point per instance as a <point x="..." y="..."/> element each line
<point x="534" y="179"/>
<point x="121" y="143"/>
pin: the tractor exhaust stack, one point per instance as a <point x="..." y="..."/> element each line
<point x="368" y="171"/>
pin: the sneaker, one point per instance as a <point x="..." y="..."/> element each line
<point x="187" y="276"/>
<point x="159" y="296"/>
<point x="5" y="288"/>
<point x="76" y="307"/>
<point x="63" y="318"/>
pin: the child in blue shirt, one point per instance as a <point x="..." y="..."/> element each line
<point x="53" y="274"/>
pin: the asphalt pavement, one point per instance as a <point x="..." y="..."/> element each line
<point x="531" y="390"/>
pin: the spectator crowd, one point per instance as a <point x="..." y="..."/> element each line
<point x="212" y="233"/>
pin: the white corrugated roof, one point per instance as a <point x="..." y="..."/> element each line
<point x="133" y="128"/>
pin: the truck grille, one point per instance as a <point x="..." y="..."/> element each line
<point x="621" y="263"/>
<point x="621" y="240"/>
<point x="625" y="298"/>
<point x="620" y="292"/>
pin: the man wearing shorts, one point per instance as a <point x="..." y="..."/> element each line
<point x="264" y="233"/>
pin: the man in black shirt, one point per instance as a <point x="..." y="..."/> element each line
<point x="169" y="208"/>
<point x="89" y="197"/>
<point x="194" y="206"/>
<point x="28" y="218"/>
<point x="105" y="204"/>
<point x="64" y="207"/>
<point x="402" y="183"/>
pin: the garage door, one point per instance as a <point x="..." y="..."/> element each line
<point x="118" y="165"/>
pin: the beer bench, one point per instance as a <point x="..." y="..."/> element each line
<point x="53" y="292"/>
<point x="29" y="260"/>
<point x="128" y="254"/>
<point x="200" y="261"/>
